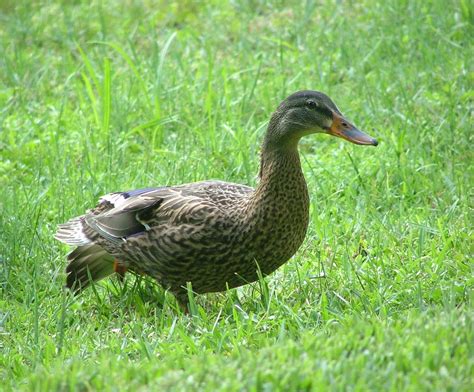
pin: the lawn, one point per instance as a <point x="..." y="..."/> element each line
<point x="109" y="95"/>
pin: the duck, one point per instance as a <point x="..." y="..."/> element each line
<point x="209" y="236"/>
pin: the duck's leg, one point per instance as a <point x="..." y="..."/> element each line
<point x="119" y="269"/>
<point x="183" y="302"/>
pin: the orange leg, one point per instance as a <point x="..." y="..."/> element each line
<point x="119" y="269"/>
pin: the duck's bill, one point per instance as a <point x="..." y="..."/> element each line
<point x="344" y="129"/>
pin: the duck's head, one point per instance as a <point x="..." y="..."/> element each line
<point x="307" y="112"/>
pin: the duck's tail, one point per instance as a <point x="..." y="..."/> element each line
<point x="75" y="232"/>
<point x="88" y="263"/>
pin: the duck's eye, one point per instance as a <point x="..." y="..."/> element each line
<point x="311" y="104"/>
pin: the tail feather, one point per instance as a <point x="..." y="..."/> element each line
<point x="72" y="232"/>
<point x="86" y="264"/>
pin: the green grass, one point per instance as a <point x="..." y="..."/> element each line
<point x="118" y="95"/>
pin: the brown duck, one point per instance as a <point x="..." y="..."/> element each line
<point x="213" y="234"/>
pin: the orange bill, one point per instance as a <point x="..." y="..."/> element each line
<point x="342" y="128"/>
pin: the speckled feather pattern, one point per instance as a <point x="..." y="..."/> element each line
<point x="213" y="234"/>
<point x="210" y="233"/>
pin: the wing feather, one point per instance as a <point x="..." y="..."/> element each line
<point x="122" y="214"/>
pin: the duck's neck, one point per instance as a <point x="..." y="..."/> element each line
<point x="276" y="163"/>
<point x="277" y="213"/>
<point x="282" y="186"/>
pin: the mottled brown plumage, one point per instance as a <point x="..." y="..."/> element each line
<point x="213" y="234"/>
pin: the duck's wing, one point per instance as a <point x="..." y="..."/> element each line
<point x="116" y="210"/>
<point x="122" y="214"/>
